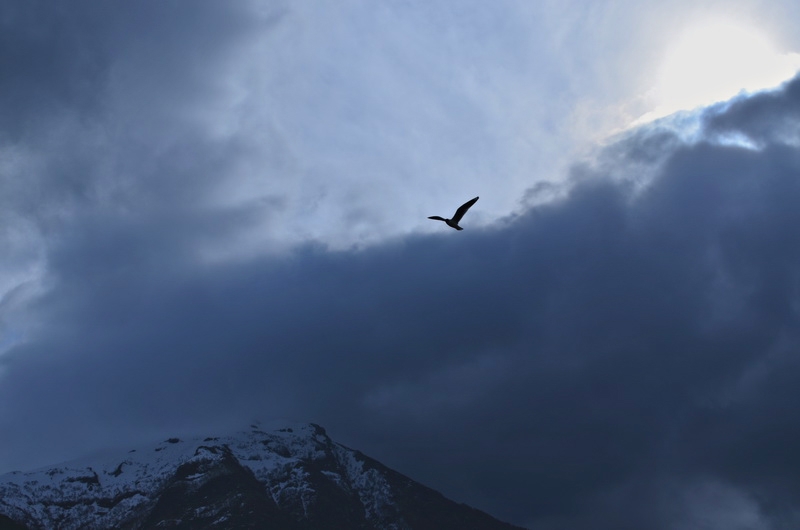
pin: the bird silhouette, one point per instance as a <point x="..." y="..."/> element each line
<point x="458" y="215"/>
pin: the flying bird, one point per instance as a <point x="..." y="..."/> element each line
<point x="458" y="215"/>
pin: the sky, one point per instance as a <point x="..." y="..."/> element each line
<point x="213" y="213"/>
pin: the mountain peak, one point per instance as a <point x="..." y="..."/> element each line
<point x="292" y="477"/>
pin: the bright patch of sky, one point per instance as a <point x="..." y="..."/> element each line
<point x="713" y="61"/>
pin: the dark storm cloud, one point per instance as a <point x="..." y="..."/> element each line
<point x="102" y="104"/>
<point x="62" y="55"/>
<point x="621" y="357"/>
<point x="769" y="118"/>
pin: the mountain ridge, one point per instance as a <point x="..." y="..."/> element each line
<point x="293" y="478"/>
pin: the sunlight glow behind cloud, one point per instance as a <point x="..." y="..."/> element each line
<point x="714" y="61"/>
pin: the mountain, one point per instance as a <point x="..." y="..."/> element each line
<point x="293" y="478"/>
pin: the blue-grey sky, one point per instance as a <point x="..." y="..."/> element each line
<point x="212" y="213"/>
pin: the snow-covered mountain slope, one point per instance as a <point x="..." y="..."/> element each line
<point x="290" y="478"/>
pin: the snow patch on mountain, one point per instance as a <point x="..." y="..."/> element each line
<point x="290" y="477"/>
<point x="106" y="489"/>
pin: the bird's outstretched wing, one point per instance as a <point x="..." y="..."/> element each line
<point x="463" y="209"/>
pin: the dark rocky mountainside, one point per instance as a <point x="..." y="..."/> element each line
<point x="293" y="478"/>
